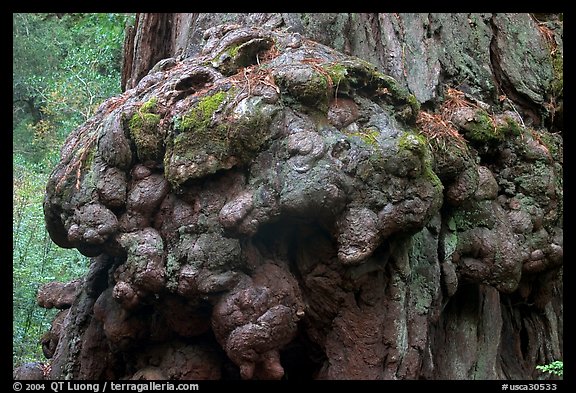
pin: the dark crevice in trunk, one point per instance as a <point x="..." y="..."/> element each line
<point x="302" y="358"/>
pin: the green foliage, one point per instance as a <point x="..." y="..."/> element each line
<point x="36" y="260"/>
<point x="555" y="368"/>
<point x="64" y="66"/>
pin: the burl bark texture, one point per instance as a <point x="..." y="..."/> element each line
<point x="263" y="206"/>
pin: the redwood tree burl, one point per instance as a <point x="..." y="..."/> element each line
<point x="262" y="206"/>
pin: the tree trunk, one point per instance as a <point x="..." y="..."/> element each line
<point x="319" y="196"/>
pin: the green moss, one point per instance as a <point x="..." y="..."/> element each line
<point x="367" y="135"/>
<point x="338" y="74"/>
<point x="553" y="143"/>
<point x="143" y="126"/>
<point x="336" y="71"/>
<point x="482" y="129"/>
<point x="320" y="82"/>
<point x="511" y="128"/>
<point x="406" y="106"/>
<point x="557" y="85"/>
<point x="142" y="120"/>
<point x="358" y="74"/>
<point x="198" y="146"/>
<point x="240" y="137"/>
<point x="225" y="60"/>
<point x="413" y="103"/>
<point x="432" y="176"/>
<point x="239" y="55"/>
<point x="201" y="146"/>
<point x="450" y="155"/>
<point x="249" y="135"/>
<point x="408" y="103"/>
<point x="474" y="215"/>
<point x="366" y="168"/>
<point x="233" y="51"/>
<point x="312" y="92"/>
<point x="391" y="85"/>
<point x="416" y="143"/>
<point x="201" y="141"/>
<point x="149" y="106"/>
<point x="199" y="117"/>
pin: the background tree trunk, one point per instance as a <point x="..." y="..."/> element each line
<point x="481" y="54"/>
<point x="471" y="289"/>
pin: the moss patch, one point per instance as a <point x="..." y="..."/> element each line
<point x="198" y="146"/>
<point x="430" y="175"/>
<point x="240" y="55"/>
<point x="240" y="137"/>
<point x="358" y="74"/>
<point x="418" y="145"/>
<point x="143" y="126"/>
<point x="195" y="128"/>
<point x="249" y="133"/>
<point x="225" y="60"/>
<point x="553" y="142"/>
<point x="557" y="85"/>
<point x="511" y="127"/>
<point x="338" y="73"/>
<point x="414" y="142"/>
<point x="474" y="215"/>
<point x="204" y="143"/>
<point x="484" y="130"/>
<point x="307" y="86"/>
<point x="199" y="117"/>
<point x="149" y="106"/>
<point x="368" y="135"/>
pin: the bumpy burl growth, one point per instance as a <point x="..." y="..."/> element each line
<point x="197" y="147"/>
<point x="249" y="208"/>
